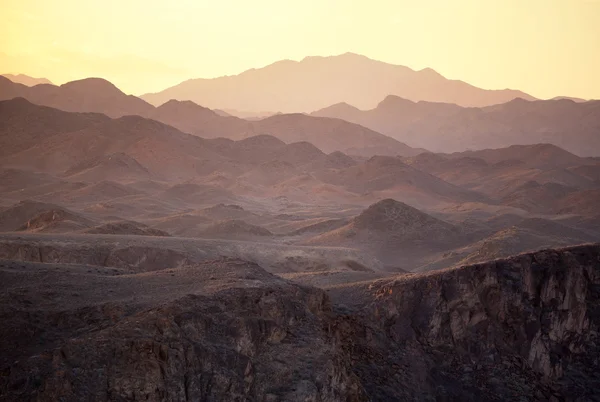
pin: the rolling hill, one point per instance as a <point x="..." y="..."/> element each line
<point x="444" y="127"/>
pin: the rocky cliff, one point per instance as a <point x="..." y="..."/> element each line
<point x="523" y="328"/>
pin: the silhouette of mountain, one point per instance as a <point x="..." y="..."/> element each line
<point x="569" y="98"/>
<point x="316" y="82"/>
<point x="327" y="134"/>
<point x="331" y="135"/>
<point x="26" y="79"/>
<point x="443" y="127"/>
<point x="98" y="95"/>
<point x="87" y="95"/>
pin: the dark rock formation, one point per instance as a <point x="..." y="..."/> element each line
<point x="524" y="328"/>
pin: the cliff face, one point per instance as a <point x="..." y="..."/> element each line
<point x="243" y="335"/>
<point x="523" y="328"/>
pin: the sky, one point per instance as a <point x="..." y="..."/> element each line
<point x="543" y="47"/>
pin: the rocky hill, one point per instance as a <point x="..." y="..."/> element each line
<point x="447" y="127"/>
<point x="524" y="327"/>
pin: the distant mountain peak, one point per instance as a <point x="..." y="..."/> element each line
<point x="92" y="84"/>
<point x="393" y="101"/>
<point x="392" y="215"/>
<point x="319" y="81"/>
<point x="26" y="79"/>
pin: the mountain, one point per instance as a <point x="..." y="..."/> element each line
<point x="235" y="229"/>
<point x="444" y="127"/>
<point x="540" y="156"/>
<point x="100" y="96"/>
<point x="522" y="328"/>
<point x="316" y="82"/>
<point x="532" y="177"/>
<point x="88" y="95"/>
<point x="33" y="216"/>
<point x="331" y="135"/>
<point x="114" y="165"/>
<point x="54" y="141"/>
<point x="26" y="80"/>
<point x="395" y="232"/>
<point x="382" y="176"/>
<point x="25" y="124"/>
<point x="327" y="134"/>
<point x="570" y="98"/>
<point x="195" y="119"/>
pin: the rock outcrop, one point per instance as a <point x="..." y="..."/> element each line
<point x="523" y="328"/>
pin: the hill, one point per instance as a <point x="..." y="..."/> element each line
<point x="26" y="79"/>
<point x="34" y="216"/>
<point x="25" y="125"/>
<point x="117" y="165"/>
<point x="88" y="95"/>
<point x="484" y="332"/>
<point x="382" y="175"/>
<point x="101" y="96"/>
<point x="317" y="82"/>
<point x="331" y="135"/>
<point x="444" y="127"/>
<point x="396" y="233"/>
<point x="235" y="229"/>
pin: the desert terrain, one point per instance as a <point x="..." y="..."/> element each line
<point x="440" y="246"/>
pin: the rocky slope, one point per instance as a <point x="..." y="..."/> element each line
<point x="523" y="328"/>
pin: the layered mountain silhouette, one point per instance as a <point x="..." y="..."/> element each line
<point x="26" y="79"/>
<point x="445" y="127"/>
<point x="316" y="82"/>
<point x="87" y="95"/>
<point x="98" y="95"/>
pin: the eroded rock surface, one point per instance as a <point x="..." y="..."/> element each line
<point x="523" y="328"/>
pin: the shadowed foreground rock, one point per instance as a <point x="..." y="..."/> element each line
<point x="524" y="328"/>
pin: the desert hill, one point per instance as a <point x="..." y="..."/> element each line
<point x="118" y="165"/>
<point x="317" y="82"/>
<point x="395" y="232"/>
<point x="88" y="95"/>
<point x="329" y="135"/>
<point x="34" y="216"/>
<point x="235" y="229"/>
<point x="26" y="79"/>
<point x="25" y="124"/>
<point x="514" y="173"/>
<point x="126" y="228"/>
<point x="423" y="332"/>
<point x="443" y="127"/>
<point x="388" y="175"/>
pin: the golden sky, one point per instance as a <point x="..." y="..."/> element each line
<point x="543" y="47"/>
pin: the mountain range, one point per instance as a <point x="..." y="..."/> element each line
<point x="316" y="82"/>
<point x="446" y="127"/>
<point x="26" y="79"/>
<point x="98" y="95"/>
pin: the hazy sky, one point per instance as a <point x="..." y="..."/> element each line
<point x="544" y="47"/>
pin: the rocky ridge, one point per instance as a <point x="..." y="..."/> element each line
<point x="522" y="328"/>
